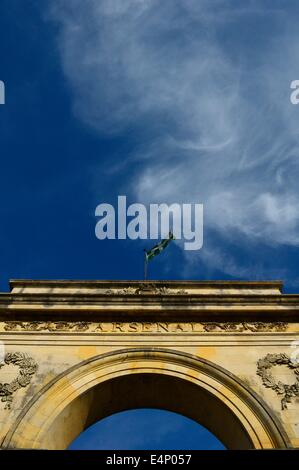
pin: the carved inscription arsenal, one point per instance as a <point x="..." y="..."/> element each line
<point x="144" y="327"/>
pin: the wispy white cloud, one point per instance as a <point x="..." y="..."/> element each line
<point x="209" y="82"/>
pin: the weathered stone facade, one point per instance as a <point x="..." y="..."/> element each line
<point x="222" y="353"/>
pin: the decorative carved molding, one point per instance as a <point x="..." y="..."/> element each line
<point x="148" y="327"/>
<point x="147" y="288"/>
<point x="27" y="367"/>
<point x="255" y="327"/>
<point x="127" y="291"/>
<point x="46" y="326"/>
<point x="264" y="366"/>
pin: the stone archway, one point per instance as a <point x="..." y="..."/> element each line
<point x="146" y="377"/>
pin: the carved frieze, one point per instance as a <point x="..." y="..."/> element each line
<point x="146" y="288"/>
<point x="27" y="368"/>
<point x="245" y="326"/>
<point x="144" y="327"/>
<point x="46" y="326"/>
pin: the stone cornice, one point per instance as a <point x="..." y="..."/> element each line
<point x="140" y="300"/>
<point x="194" y="286"/>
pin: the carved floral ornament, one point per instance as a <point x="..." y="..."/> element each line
<point x="46" y="326"/>
<point x="264" y="367"/>
<point x="147" y="327"/>
<point x="147" y="288"/>
<point x="245" y="326"/>
<point x="27" y="368"/>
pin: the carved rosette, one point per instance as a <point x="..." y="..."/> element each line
<point x="27" y="368"/>
<point x="264" y="367"/>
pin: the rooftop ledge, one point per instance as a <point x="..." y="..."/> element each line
<point x="131" y="287"/>
<point x="140" y="300"/>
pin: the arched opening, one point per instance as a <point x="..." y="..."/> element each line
<point x="146" y="429"/>
<point x="146" y="378"/>
<point x="148" y="390"/>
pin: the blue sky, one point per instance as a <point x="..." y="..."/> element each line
<point x="163" y="101"/>
<point x="147" y="429"/>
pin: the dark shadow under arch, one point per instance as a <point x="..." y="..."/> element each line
<point x="159" y="391"/>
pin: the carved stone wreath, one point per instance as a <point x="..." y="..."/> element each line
<point x="264" y="366"/>
<point x="27" y="367"/>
